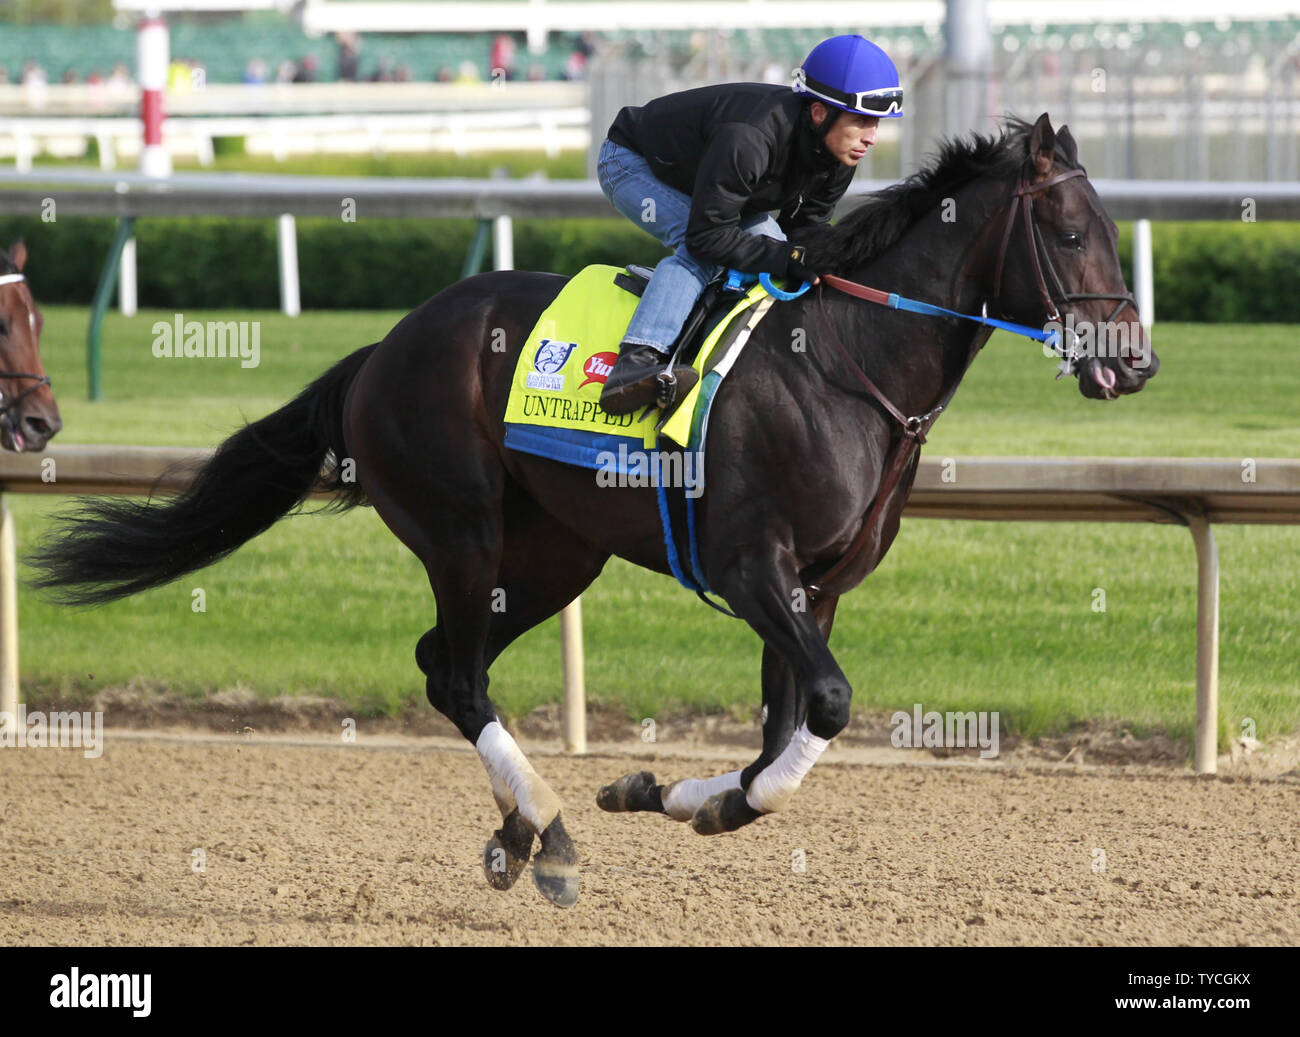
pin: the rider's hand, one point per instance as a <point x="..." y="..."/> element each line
<point x="800" y="266"/>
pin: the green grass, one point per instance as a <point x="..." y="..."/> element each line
<point x="961" y="615"/>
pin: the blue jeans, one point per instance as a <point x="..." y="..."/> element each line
<point x="663" y="211"/>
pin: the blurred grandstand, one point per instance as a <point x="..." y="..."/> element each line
<point x="1175" y="90"/>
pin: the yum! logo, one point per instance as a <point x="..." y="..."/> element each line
<point x="598" y="367"/>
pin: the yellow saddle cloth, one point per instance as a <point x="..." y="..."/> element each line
<point x="554" y="407"/>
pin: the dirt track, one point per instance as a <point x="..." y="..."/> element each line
<point x="380" y="844"/>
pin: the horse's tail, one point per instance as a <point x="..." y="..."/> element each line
<point x="109" y="549"/>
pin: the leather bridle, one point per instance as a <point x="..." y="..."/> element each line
<point x="40" y="379"/>
<point x="1022" y="203"/>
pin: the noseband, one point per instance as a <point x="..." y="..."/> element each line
<point x="1022" y="202"/>
<point x="41" y="379"/>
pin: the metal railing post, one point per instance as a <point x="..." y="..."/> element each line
<point x="1207" y="644"/>
<point x="103" y="292"/>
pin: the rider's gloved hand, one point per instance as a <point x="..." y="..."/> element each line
<point x="800" y="266"/>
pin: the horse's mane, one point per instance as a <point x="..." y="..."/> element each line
<point x="7" y="265"/>
<point x="885" y="216"/>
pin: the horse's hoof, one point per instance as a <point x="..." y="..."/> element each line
<point x="555" y="868"/>
<point x="724" y="812"/>
<point x="506" y="854"/>
<point x="626" y="794"/>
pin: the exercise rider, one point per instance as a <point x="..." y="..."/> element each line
<point x="703" y="170"/>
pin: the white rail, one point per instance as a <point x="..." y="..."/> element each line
<point x="1192" y="492"/>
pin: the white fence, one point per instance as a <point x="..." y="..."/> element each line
<point x="1195" y="493"/>
<point x="117" y="139"/>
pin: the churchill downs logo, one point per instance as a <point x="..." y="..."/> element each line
<point x="551" y="356"/>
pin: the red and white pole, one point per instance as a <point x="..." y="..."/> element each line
<point x="152" y="56"/>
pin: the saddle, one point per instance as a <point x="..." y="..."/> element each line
<point x="714" y="303"/>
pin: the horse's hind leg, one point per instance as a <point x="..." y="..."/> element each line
<point x="458" y="683"/>
<point x="485" y="585"/>
<point x="544" y="566"/>
<point x="508" y="851"/>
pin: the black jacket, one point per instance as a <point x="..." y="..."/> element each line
<point x="738" y="150"/>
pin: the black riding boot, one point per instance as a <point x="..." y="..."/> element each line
<point x="639" y="379"/>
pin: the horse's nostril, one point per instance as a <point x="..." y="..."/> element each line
<point x="38" y="426"/>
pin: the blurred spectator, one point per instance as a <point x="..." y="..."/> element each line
<point x="402" y="74"/>
<point x="256" y="72"/>
<point x="70" y="77"/>
<point x="586" y="45"/>
<point x="445" y="75"/>
<point x="306" y="70"/>
<point x="349" y="56"/>
<point x="98" y="89"/>
<point x="121" y="75"/>
<point x="468" y="73"/>
<point x="503" y="57"/>
<point x="575" y="66"/>
<point x="285" y="71"/>
<point x="536" y="73"/>
<point x="35" y="85"/>
<point x="4" y="74"/>
<point x="384" y="70"/>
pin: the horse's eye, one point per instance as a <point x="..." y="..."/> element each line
<point x="1071" y="240"/>
<point x="4" y="328"/>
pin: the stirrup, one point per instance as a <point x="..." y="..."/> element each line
<point x="665" y="388"/>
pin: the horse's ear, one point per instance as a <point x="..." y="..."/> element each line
<point x="1066" y="140"/>
<point x="1042" y="145"/>
<point x="18" y="253"/>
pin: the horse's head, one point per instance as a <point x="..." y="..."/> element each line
<point x="29" y="417"/>
<point x="1058" y="265"/>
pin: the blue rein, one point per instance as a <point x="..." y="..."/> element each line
<point x="900" y="302"/>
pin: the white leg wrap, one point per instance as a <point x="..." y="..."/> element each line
<point x="773" y="786"/>
<point x="683" y="798"/>
<point x="513" y="776"/>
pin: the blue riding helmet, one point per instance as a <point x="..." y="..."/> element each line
<point x="853" y="74"/>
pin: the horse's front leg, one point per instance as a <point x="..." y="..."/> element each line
<point x="783" y="711"/>
<point x="681" y="799"/>
<point x="789" y="749"/>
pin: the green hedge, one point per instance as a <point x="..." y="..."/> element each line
<point x="1204" y="272"/>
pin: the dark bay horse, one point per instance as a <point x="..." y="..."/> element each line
<point x="29" y="417"/>
<point x="797" y="456"/>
